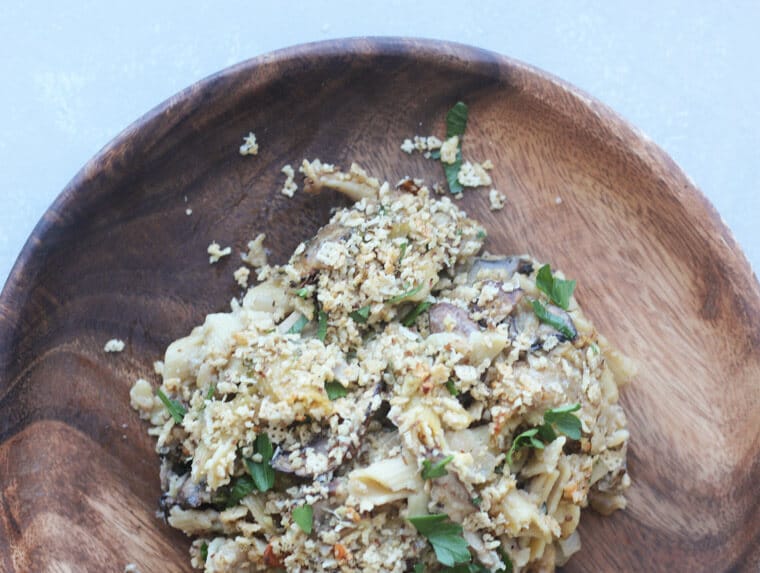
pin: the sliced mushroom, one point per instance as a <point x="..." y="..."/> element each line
<point x="498" y="268"/>
<point x="446" y="317"/>
<point x="308" y="262"/>
<point x="451" y="494"/>
<point x="327" y="451"/>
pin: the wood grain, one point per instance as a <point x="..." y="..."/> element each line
<point x="116" y="256"/>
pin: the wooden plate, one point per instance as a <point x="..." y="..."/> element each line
<point x="117" y="256"/>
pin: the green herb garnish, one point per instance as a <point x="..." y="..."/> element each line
<point x="204" y="551"/>
<point x="403" y="252"/>
<point x="322" y="325"/>
<point x="405" y="295"/>
<point x="419" y="568"/>
<point x="560" y="418"/>
<point x="466" y="568"/>
<point x="240" y="488"/>
<point x="481" y="234"/>
<point x="210" y="393"/>
<point x="360" y="315"/>
<point x="565" y="422"/>
<point x="435" y="470"/>
<point x="176" y="409"/>
<point x="456" y="123"/>
<point x="303" y="516"/>
<point x="558" y="290"/>
<point x="299" y="325"/>
<point x="335" y="390"/>
<point x="445" y="537"/>
<point x="262" y="472"/>
<point x="412" y="316"/>
<point x="554" y="320"/>
<point x="303" y="292"/>
<point x="476" y="501"/>
<point x="451" y="387"/>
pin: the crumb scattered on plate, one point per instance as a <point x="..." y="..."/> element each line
<point x="216" y="252"/>
<point x="249" y="147"/>
<point x="241" y="276"/>
<point x="114" y="345"/>
<point x="496" y="200"/>
<point x="289" y="188"/>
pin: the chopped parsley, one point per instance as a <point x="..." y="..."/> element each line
<point x="419" y="568"/>
<point x="595" y="348"/>
<point x="322" y="325"/>
<point x="558" y="420"/>
<point x="335" y="390"/>
<point x="476" y="501"/>
<point x="435" y="470"/>
<point x="176" y="409"/>
<point x="556" y="321"/>
<point x="445" y="537"/>
<point x="262" y="472"/>
<point x="405" y="295"/>
<point x="456" y="123"/>
<point x="451" y="387"/>
<point x="210" y="393"/>
<point x="558" y="290"/>
<point x="204" y="551"/>
<point x="241" y="487"/>
<point x="481" y="234"/>
<point x="299" y="325"/>
<point x="360" y="315"/>
<point x="303" y="292"/>
<point x="303" y="516"/>
<point x="413" y="314"/>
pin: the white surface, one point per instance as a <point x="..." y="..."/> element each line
<point x="75" y="73"/>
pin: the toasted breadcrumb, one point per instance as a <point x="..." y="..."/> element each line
<point x="216" y="252"/>
<point x="241" y="276"/>
<point x="449" y="150"/>
<point x="114" y="345"/>
<point x="290" y="187"/>
<point x="496" y="199"/>
<point x="473" y="175"/>
<point x="423" y="144"/>
<point x="487" y="165"/>
<point x="256" y="255"/>
<point x="249" y="147"/>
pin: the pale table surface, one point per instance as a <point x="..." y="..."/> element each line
<point x="75" y="73"/>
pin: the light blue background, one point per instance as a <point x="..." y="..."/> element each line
<point x="75" y="73"/>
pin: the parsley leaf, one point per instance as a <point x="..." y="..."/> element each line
<point x="481" y="234"/>
<point x="360" y="315"/>
<point x="563" y="418"/>
<point x="210" y="393"/>
<point x="262" y="472"/>
<point x="476" y="501"/>
<point x="204" y="551"/>
<point x="526" y="439"/>
<point x="299" y="325"/>
<point x="566" y="422"/>
<point x="435" y="470"/>
<point x="554" y="320"/>
<point x="303" y="292"/>
<point x="322" y="325"/>
<point x="467" y="568"/>
<point x="445" y="537"/>
<point x="419" y="568"/>
<point x="240" y="488"/>
<point x="335" y="390"/>
<point x="451" y="387"/>
<point x="456" y="120"/>
<point x="413" y="314"/>
<point x="456" y="123"/>
<point x="303" y="516"/>
<point x="558" y="290"/>
<point x="405" y="295"/>
<point x="508" y="567"/>
<point x="176" y="409"/>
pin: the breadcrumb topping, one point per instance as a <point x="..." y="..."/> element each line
<point x="496" y="200"/>
<point x="114" y="345"/>
<point x="249" y="147"/>
<point x="216" y="252"/>
<point x="290" y="187"/>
